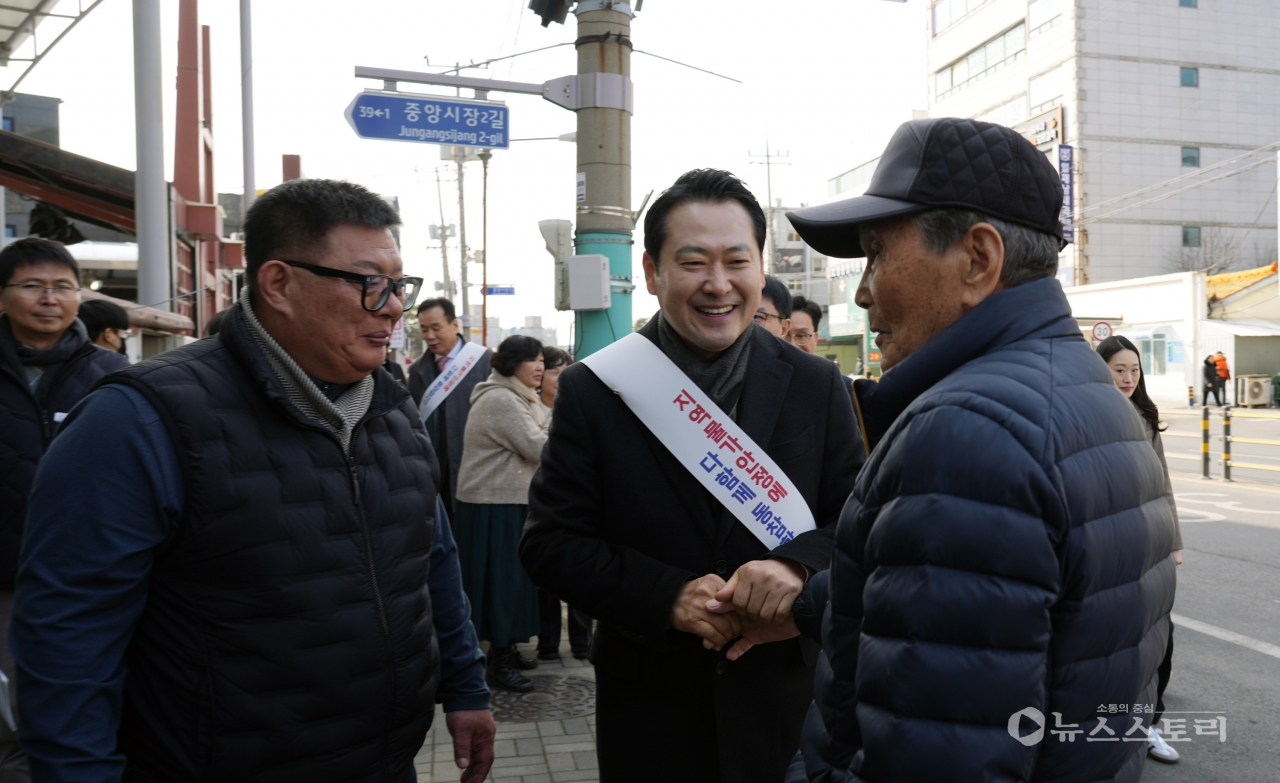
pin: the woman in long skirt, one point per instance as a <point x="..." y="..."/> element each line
<point x="502" y="446"/>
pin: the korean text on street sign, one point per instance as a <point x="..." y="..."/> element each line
<point x="429" y="119"/>
<point x="501" y="290"/>
<point x="1066" y="158"/>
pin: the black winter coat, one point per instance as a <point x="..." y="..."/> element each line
<point x="617" y="526"/>
<point x="27" y="426"/>
<point x="1005" y="549"/>
<point x="448" y="422"/>
<point x="287" y="634"/>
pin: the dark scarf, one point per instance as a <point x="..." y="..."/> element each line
<point x="72" y="340"/>
<point x="723" y="377"/>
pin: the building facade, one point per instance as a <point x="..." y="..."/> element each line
<point x="1168" y="107"/>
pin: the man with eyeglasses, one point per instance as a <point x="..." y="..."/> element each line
<point x="47" y="365"/>
<point x="806" y="314"/>
<point x="774" y="312"/>
<point x="260" y="583"/>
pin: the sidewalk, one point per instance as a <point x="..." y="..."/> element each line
<point x="553" y="749"/>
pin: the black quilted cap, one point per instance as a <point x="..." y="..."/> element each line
<point x="943" y="162"/>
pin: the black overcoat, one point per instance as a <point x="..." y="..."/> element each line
<point x="447" y="423"/>
<point x="617" y="527"/>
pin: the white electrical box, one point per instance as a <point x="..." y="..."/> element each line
<point x="589" y="282"/>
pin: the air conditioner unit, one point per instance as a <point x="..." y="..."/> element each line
<point x="1253" y="390"/>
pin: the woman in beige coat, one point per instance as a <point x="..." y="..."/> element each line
<point x="502" y="446"/>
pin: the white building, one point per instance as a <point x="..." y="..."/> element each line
<point x="1146" y="91"/>
<point x="803" y="269"/>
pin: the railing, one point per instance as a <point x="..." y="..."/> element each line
<point x="1228" y="439"/>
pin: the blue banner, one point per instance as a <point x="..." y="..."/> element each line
<point x="429" y="119"/>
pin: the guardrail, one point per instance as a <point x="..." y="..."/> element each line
<point x="1228" y="439"/>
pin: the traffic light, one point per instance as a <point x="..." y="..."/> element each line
<point x="550" y="10"/>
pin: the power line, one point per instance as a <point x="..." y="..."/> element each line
<point x="1179" y="191"/>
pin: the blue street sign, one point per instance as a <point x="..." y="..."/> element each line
<point x="430" y="120"/>
<point x="501" y="290"/>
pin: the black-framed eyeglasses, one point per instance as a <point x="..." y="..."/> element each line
<point x="375" y="290"/>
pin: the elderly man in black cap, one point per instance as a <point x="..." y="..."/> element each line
<point x="1002" y="566"/>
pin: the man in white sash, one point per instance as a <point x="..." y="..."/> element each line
<point x="702" y="449"/>
<point x="441" y="382"/>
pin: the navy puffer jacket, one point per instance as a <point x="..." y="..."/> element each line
<point x="1005" y="550"/>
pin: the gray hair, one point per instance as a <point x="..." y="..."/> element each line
<point x="1028" y="254"/>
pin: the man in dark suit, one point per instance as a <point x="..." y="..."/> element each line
<point x="448" y="422"/>
<point x="618" y="527"/>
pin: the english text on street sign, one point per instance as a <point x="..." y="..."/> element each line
<point x="429" y="119"/>
<point x="501" y="290"/>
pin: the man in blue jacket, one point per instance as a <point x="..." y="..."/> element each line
<point x="1002" y="566"/>
<point x="257" y="583"/>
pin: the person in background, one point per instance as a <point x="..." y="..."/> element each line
<point x="555" y="360"/>
<point x="47" y="365"/>
<point x="248" y="587"/>
<point x="441" y="333"/>
<point x="806" y="314"/>
<point x="394" y="369"/>
<point x="106" y="323"/>
<point x="1224" y="376"/>
<point x="502" y="447"/>
<point x="774" y="312"/>
<point x="1126" y="370"/>
<point x="1210" y="372"/>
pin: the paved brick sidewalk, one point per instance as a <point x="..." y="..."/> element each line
<point x="548" y="751"/>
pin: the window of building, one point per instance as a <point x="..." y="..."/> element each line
<point x="1191" y="157"/>
<point x="8" y="124"/>
<point x="1008" y="114"/>
<point x="948" y="12"/>
<point x="1155" y="352"/>
<point x="853" y="178"/>
<point x="10" y="231"/>
<point x="1042" y="13"/>
<point x="1190" y="77"/>
<point x="991" y="55"/>
<point x="1191" y="236"/>
<point x="1047" y="89"/>
<point x="1187" y="3"/>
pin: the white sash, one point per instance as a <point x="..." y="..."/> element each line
<point x="703" y="439"/>
<point x="448" y="380"/>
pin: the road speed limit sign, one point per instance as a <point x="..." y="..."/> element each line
<point x="1101" y="331"/>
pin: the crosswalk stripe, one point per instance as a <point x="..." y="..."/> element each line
<point x="1266" y="648"/>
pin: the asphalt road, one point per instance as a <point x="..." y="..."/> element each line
<point x="1226" y="658"/>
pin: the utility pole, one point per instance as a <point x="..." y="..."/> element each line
<point x="246" y="102"/>
<point x="485" y="155"/>
<point x="151" y="196"/>
<point x="605" y="220"/>
<point x="771" y="243"/>
<point x="444" y="239"/>
<point x="460" y="157"/>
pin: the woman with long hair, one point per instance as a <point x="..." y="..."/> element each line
<point x="1125" y="362"/>
<point x="501" y="449"/>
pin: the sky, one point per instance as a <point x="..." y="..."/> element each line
<point x="824" y="82"/>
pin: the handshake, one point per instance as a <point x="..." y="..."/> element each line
<point x="753" y="607"/>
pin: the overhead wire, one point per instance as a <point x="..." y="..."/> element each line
<point x="1178" y="191"/>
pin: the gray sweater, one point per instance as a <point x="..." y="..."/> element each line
<point x="1158" y="445"/>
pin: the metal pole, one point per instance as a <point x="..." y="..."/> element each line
<point x="605" y="222"/>
<point x="150" y="189"/>
<point x="460" y="156"/>
<point x="484" y="251"/>
<point x="1204" y="442"/>
<point x="444" y="239"/>
<point x="1226" y="443"/>
<point x="246" y="100"/>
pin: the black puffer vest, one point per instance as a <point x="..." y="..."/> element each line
<point x="27" y="427"/>
<point x="287" y="634"/>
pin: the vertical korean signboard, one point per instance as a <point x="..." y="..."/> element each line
<point x="1066" y="161"/>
